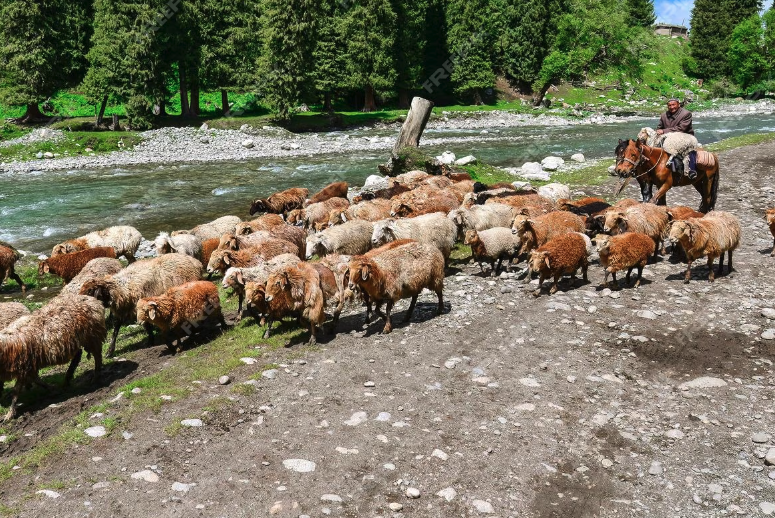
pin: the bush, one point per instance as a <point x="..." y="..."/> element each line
<point x="722" y="88"/>
<point x="139" y="116"/>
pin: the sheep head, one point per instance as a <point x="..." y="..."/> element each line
<point x="283" y="281"/>
<point x="538" y="260"/>
<point x="163" y="244"/>
<point x="680" y="230"/>
<point x="359" y="271"/>
<point x="295" y="217"/>
<point x="400" y="210"/>
<point x="254" y="295"/>
<point x="770" y="214"/>
<point x="219" y="260"/>
<point x="257" y="206"/>
<point x="384" y="232"/>
<point x="316" y="246"/>
<point x="99" y="290"/>
<point x="471" y="237"/>
<point x="615" y="222"/>
<point x="243" y="229"/>
<point x="147" y="310"/>
<point x="43" y="267"/>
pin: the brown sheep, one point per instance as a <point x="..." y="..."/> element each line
<point x="238" y="278"/>
<point x="296" y="290"/>
<point x="770" y="215"/>
<point x="181" y="310"/>
<point x="281" y="202"/>
<point x="315" y="216"/>
<point x="265" y="222"/>
<point x="423" y="200"/>
<point x="373" y="210"/>
<point x="94" y="270"/>
<point x="208" y="247"/>
<point x="334" y="190"/>
<point x="519" y="201"/>
<point x="53" y="335"/>
<point x="8" y="257"/>
<point x="562" y="255"/>
<point x="583" y="206"/>
<point x="460" y="177"/>
<point x="624" y="251"/>
<point x="293" y="235"/>
<point x="69" y="265"/>
<point x="536" y="232"/>
<point x="261" y="251"/>
<point x="645" y="218"/>
<point x="397" y="273"/>
<point x="390" y="192"/>
<point x="680" y="213"/>
<point x="125" y="241"/>
<point x="10" y="311"/>
<point x="412" y="179"/>
<point x="710" y="236"/>
<point x="146" y="278"/>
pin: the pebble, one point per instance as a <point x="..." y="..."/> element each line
<point x="655" y="468"/>
<point x="761" y="438"/>
<point x="447" y="494"/>
<point x="439" y="454"/>
<point x="674" y="434"/>
<point x="192" y="423"/>
<point x="525" y="407"/>
<point x="769" y="459"/>
<point x="383" y="417"/>
<point x="299" y="465"/>
<point x="646" y="313"/>
<point x="768" y="334"/>
<point x="452" y="362"/>
<point x="181" y="487"/>
<point x="269" y="374"/>
<point x="95" y="431"/>
<point x="101" y="485"/>
<point x="356" y="419"/>
<point x="137" y="390"/>
<point x="483" y="507"/>
<point x="331" y="498"/>
<point x="224" y="380"/>
<point x="607" y="463"/>
<point x="703" y="382"/>
<point x="412" y="492"/>
<point x="127" y="435"/>
<point x="767" y="508"/>
<point x="395" y="506"/>
<point x="147" y="475"/>
<point x="768" y="313"/>
<point x="715" y="488"/>
<point x="369" y="384"/>
<point x="529" y="382"/>
<point x="48" y="493"/>
<point x="248" y="361"/>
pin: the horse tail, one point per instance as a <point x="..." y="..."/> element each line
<point x="714" y="185"/>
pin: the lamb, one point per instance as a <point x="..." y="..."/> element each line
<point x="334" y="190"/>
<point x="53" y="335"/>
<point x="397" y="273"/>
<point x="625" y="251"/>
<point x="95" y="269"/>
<point x="8" y="257"/>
<point x="265" y="222"/>
<point x="281" y="202"/>
<point x="124" y="240"/>
<point x="148" y="278"/>
<point x="495" y="244"/>
<point x="186" y="244"/>
<point x="213" y="229"/>
<point x="68" y="266"/>
<point x="710" y="236"/>
<point x="481" y="217"/>
<point x="536" y="232"/>
<point x="10" y="311"/>
<point x="433" y="229"/>
<point x="645" y="218"/>
<point x="296" y="290"/>
<point x="562" y="255"/>
<point x="769" y="215"/>
<point x="373" y="210"/>
<point x="351" y="238"/>
<point x="238" y="278"/>
<point x="181" y="310"/>
<point x="424" y="200"/>
<point x="262" y="251"/>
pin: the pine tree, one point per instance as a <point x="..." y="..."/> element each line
<point x="523" y="41"/>
<point x="411" y="39"/>
<point x="470" y="38"/>
<point x="370" y="29"/>
<point x="329" y="76"/>
<point x="746" y="52"/>
<point x="641" y="13"/>
<point x="43" y="49"/>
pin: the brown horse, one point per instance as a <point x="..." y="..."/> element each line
<point x="648" y="165"/>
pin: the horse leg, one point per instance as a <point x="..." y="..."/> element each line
<point x="660" y="198"/>
<point x="645" y="190"/>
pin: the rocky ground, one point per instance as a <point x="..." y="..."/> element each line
<point x="655" y="401"/>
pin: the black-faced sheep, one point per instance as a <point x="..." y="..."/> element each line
<point x="562" y="255"/>
<point x="434" y="229"/>
<point x="624" y="252"/>
<point x="281" y="202"/>
<point x="351" y="238"/>
<point x="124" y="240"/>
<point x="710" y="236"/>
<point x="8" y="257"/>
<point x="491" y="245"/>
<point x="68" y="266"/>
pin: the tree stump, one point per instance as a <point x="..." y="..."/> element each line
<point x="115" y="126"/>
<point x="410" y="134"/>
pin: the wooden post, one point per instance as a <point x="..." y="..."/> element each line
<point x="414" y="125"/>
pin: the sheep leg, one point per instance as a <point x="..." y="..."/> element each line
<point x="241" y="299"/>
<point x="13" y="275"/>
<point x="498" y="267"/>
<point x="312" y="338"/>
<point x="605" y="278"/>
<point x="73" y="365"/>
<point x="688" y="275"/>
<point x="97" y="365"/>
<point x="116" y="327"/>
<point x="130" y="257"/>
<point x="584" y="268"/>
<point x="773" y="248"/>
<point x="629" y="271"/>
<point x="269" y="323"/>
<point x="720" y="271"/>
<point x="711" y="273"/>
<point x="388" y="324"/>
<point x="616" y="282"/>
<point x="39" y="382"/>
<point x="555" y="285"/>
<point x="640" y="275"/>
<point x="729" y="262"/>
<point x="12" y="407"/>
<point x="409" y="312"/>
<point x="149" y="329"/>
<point x="441" y="302"/>
<point x="368" y="307"/>
<point x="537" y="292"/>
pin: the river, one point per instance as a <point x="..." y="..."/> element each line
<point x="38" y="210"/>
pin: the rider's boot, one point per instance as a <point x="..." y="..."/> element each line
<point x="691" y="174"/>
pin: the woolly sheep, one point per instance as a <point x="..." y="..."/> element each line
<point x="481" y="217"/>
<point x="186" y="244"/>
<point x="423" y="200"/>
<point x="262" y="251"/>
<point x="645" y="218"/>
<point x="538" y="231"/>
<point x="281" y="202"/>
<point x="238" y="278"/>
<point x="213" y="229"/>
<point x="382" y="194"/>
<point x="10" y="311"/>
<point x="710" y="236"/>
<point x="296" y="289"/>
<point x="265" y="222"/>
<point x="373" y="210"/>
<point x="434" y="229"/>
<point x="334" y="190"/>
<point x="519" y="201"/>
<point x="124" y="240"/>
<point x="491" y="245"/>
<point x="351" y="238"/>
<point x="68" y="266"/>
<point x="53" y="335"/>
<point x="8" y="257"/>
<point x="181" y="310"/>
<point x="625" y="252"/>
<point x="562" y="255"/>
<point x="95" y="269"/>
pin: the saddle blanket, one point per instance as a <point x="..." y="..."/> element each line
<point x="705" y="158"/>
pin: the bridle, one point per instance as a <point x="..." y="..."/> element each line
<point x="641" y="160"/>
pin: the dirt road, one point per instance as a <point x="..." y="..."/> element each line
<point x="656" y="401"/>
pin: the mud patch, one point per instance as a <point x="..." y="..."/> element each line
<point x="571" y="493"/>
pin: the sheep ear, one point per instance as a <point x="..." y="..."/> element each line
<point x="152" y="313"/>
<point x="226" y="259"/>
<point x="546" y="260"/>
<point x="344" y="217"/>
<point x="239" y="277"/>
<point x="46" y="268"/>
<point x="365" y="273"/>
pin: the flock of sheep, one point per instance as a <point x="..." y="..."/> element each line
<point x="382" y="245"/>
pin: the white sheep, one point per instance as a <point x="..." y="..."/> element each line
<point x="186" y="244"/>
<point x="491" y="245"/>
<point x="481" y="217"/>
<point x="350" y="238"/>
<point x="434" y="229"/>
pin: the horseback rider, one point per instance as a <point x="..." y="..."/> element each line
<point x="678" y="119"/>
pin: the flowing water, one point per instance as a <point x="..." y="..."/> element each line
<point x="38" y="210"/>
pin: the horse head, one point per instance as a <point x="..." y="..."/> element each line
<point x="629" y="156"/>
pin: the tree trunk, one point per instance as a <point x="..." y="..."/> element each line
<point x="414" y="125"/>
<point x="539" y="95"/>
<point x="225" y="102"/>
<point x="162" y="108"/>
<point x="101" y="113"/>
<point x="369" y="104"/>
<point x="185" y="110"/>
<point x="194" y="105"/>
<point x="32" y="114"/>
<point x="327" y="105"/>
<point x="115" y="125"/>
<point x="403" y="98"/>
<point x="477" y="97"/>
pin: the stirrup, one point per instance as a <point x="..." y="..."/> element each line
<point x="691" y="175"/>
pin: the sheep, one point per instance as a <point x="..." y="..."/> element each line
<point x="625" y="251"/>
<point x="124" y="240"/>
<point x="213" y="229"/>
<point x="710" y="236"/>
<point x="68" y="266"/>
<point x="390" y="192"/>
<point x="538" y="231"/>
<point x="351" y="238"/>
<point x="237" y="278"/>
<point x="187" y="244"/>
<point x="494" y="244"/>
<point x="281" y="202"/>
<point x="554" y="191"/>
<point x="434" y="229"/>
<point x="519" y="201"/>
<point x="334" y="190"/>
<point x="769" y="215"/>
<point x="148" y="278"/>
<point x="181" y="310"/>
<point x="460" y="177"/>
<point x="315" y="216"/>
<point x="462" y="188"/>
<point x="8" y="257"/>
<point x="564" y="254"/>
<point x="265" y="222"/>
<point x="293" y="235"/>
<point x="208" y="247"/>
<point x="597" y="212"/>
<point x="373" y="210"/>
<point x="423" y="200"/>
<point x="296" y="290"/>
<point x="262" y="251"/>
<point x="645" y="218"/>
<point x="481" y="217"/>
<point x="436" y="182"/>
<point x="95" y="269"/>
<point x="397" y="273"/>
<point x="412" y="179"/>
<point x="584" y="206"/>
<point x="680" y="212"/>
<point x="53" y="335"/>
<point x="10" y="311"/>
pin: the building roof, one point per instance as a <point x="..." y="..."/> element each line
<point x="669" y="26"/>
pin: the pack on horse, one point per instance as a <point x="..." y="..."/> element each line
<point x="648" y="165"/>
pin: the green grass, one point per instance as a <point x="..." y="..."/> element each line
<point x="74" y="143"/>
<point x="743" y="140"/>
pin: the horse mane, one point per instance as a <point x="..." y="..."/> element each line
<point x="622" y="146"/>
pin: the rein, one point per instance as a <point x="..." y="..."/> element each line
<point x="624" y="159"/>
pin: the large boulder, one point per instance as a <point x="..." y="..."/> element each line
<point x="466" y="160"/>
<point x="554" y="191"/>
<point x="446" y="158"/>
<point x="552" y="163"/>
<point x="578" y="157"/>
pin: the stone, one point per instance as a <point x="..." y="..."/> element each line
<point x="607" y="463"/>
<point x="95" y="431"/>
<point x="447" y="494"/>
<point x="192" y="423"/>
<point x="466" y="160"/>
<point x="768" y="334"/>
<point x="761" y="438"/>
<point x="439" y="454"/>
<point x="204" y="127"/>
<point x="356" y="419"/>
<point x="578" y="157"/>
<point x="452" y="362"/>
<point x="48" y="493"/>
<point x="529" y="382"/>
<point x="531" y="168"/>
<point x="224" y="380"/>
<point x="147" y="475"/>
<point x="715" y="488"/>
<point x="447" y="158"/>
<point x="647" y="313"/>
<point x="674" y="434"/>
<point x="248" y="144"/>
<point x="39" y="155"/>
<point x="375" y="182"/>
<point x="383" y="417"/>
<point x="552" y="163"/>
<point x="483" y="507"/>
<point x="126" y="435"/>
<point x="769" y="459"/>
<point x="369" y="384"/>
<point x="703" y="382"/>
<point x="395" y="506"/>
<point x="180" y="487"/>
<point x="768" y="313"/>
<point x="655" y="468"/>
<point x="269" y="374"/>
<point x="412" y="492"/>
<point x="331" y="498"/>
<point x="767" y="508"/>
<point x="48" y="154"/>
<point x="248" y="361"/>
<point x="101" y="485"/>
<point x="299" y="465"/>
<point x="525" y="407"/>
